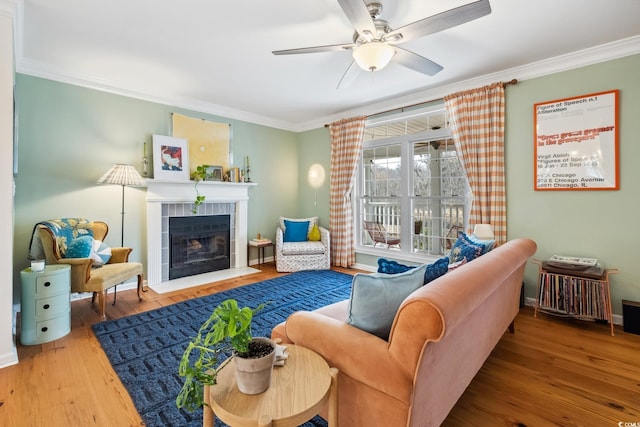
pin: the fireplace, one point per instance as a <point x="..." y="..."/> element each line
<point x="168" y="199"/>
<point x="198" y="244"/>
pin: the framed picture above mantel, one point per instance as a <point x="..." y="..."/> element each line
<point x="576" y="143"/>
<point x="170" y="158"/>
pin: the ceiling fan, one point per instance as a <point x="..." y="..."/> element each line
<point x="375" y="42"/>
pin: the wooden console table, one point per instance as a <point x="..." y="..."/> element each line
<point x="580" y="293"/>
<point x="298" y="391"/>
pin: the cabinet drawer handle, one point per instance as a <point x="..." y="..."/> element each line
<point x="47" y="284"/>
<point x="46" y="306"/>
<point x="44" y="329"/>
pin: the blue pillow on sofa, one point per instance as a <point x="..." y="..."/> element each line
<point x="465" y="248"/>
<point x="432" y="272"/>
<point x="295" y="231"/>
<point x="390" y="266"/>
<point x="80" y="247"/>
<point x="488" y="244"/>
<point x="376" y="297"/>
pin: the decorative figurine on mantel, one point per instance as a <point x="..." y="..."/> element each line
<point x="247" y="177"/>
<point x="145" y="161"/>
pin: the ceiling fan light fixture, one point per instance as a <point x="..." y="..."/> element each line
<point x="373" y="56"/>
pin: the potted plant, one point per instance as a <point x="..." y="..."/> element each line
<point x="227" y="329"/>
<point x="200" y="174"/>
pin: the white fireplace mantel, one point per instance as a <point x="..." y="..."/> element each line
<point x="161" y="192"/>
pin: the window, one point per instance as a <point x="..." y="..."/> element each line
<point x="410" y="175"/>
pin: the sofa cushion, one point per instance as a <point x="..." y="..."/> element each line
<point x="432" y="272"/>
<point x="80" y="247"/>
<point x="296" y="231"/>
<point x="100" y="253"/>
<point x="390" y="266"/>
<point x="302" y="248"/>
<point x="436" y="269"/>
<point x="488" y="244"/>
<point x="313" y="220"/>
<point x="375" y="298"/>
<point x="465" y="248"/>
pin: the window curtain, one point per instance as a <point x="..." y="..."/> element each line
<point x="346" y="146"/>
<point x="477" y="125"/>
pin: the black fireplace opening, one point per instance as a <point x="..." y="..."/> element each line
<point x="198" y="244"/>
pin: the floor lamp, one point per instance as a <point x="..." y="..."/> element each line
<point x="124" y="175"/>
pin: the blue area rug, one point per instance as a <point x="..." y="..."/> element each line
<point x="144" y="349"/>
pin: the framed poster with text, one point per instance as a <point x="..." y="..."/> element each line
<point x="576" y="143"/>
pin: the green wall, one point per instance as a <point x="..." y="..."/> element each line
<point x="69" y="136"/>
<point x="314" y="147"/>
<point x="595" y="224"/>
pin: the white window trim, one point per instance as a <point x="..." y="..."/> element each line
<point x="405" y="142"/>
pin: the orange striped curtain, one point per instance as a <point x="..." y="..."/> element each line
<point x="477" y="124"/>
<point x="346" y="146"/>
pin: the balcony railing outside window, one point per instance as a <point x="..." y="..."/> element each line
<point x="412" y="185"/>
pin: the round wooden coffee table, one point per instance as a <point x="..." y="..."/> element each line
<point x="298" y="392"/>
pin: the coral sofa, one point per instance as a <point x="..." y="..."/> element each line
<point x="441" y="336"/>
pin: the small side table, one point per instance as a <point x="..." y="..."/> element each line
<point x="260" y="247"/>
<point x="45" y="304"/>
<point x="298" y="392"/>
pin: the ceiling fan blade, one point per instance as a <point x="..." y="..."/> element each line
<point x="349" y="76"/>
<point x="359" y="16"/>
<point x="442" y="21"/>
<point x="416" y="62"/>
<point x="314" y="49"/>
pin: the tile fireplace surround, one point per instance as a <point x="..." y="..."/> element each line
<point x="175" y="198"/>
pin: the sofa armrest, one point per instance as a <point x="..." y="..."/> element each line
<point x="80" y="269"/>
<point x="356" y="353"/>
<point x="119" y="255"/>
<point x="279" y="240"/>
<point x="324" y="237"/>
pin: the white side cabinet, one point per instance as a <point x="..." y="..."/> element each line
<point x="45" y="304"/>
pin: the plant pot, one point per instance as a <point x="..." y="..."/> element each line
<point x="417" y="227"/>
<point x="254" y="375"/>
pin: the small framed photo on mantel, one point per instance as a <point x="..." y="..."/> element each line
<point x="170" y="158"/>
<point x="214" y="173"/>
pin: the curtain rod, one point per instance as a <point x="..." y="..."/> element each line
<point x="510" y="82"/>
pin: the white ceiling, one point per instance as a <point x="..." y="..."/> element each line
<point x="215" y="55"/>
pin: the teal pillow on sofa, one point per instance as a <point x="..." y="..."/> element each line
<point x="375" y="298"/>
<point x="295" y="231"/>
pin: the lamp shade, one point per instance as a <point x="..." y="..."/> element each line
<point x="373" y="56"/>
<point x="483" y="231"/>
<point x="316" y="175"/>
<point x="121" y="175"/>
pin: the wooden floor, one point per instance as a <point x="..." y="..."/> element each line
<point x="551" y="372"/>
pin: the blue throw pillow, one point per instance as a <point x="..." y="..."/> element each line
<point x="79" y="247"/>
<point x="432" y="272"/>
<point x="436" y="269"/>
<point x="389" y="266"/>
<point x="465" y="248"/>
<point x="375" y="298"/>
<point x="295" y="231"/>
<point x="488" y="244"/>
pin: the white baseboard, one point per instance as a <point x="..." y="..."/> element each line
<point x="365" y="267"/>
<point x="11" y="357"/>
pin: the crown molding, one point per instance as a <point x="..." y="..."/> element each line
<point x="47" y="71"/>
<point x="593" y="55"/>
<point x="582" y="58"/>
